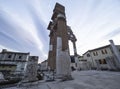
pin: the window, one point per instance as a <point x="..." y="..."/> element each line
<point x="105" y="51"/>
<point x="20" y="57"/>
<point x="102" y="52"/>
<point x="88" y="55"/>
<point x="102" y="61"/>
<point x="9" y="56"/>
<point x="95" y="53"/>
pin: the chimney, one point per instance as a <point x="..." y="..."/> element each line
<point x="4" y="50"/>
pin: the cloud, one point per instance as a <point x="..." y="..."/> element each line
<point x="19" y="35"/>
<point x="41" y="28"/>
<point x="23" y="23"/>
<point x="112" y="33"/>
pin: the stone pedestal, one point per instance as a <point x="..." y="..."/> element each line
<point x="31" y="69"/>
<point x="62" y="62"/>
<point x="62" y="55"/>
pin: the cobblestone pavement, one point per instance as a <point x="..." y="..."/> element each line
<point x="82" y="80"/>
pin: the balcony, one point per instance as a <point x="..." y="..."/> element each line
<point x="7" y="63"/>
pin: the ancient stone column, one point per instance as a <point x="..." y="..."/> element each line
<point x="73" y="39"/>
<point x="74" y="47"/>
<point x="110" y="63"/>
<point x="52" y="48"/>
<point x="50" y="53"/>
<point x="116" y="53"/>
<point x="62" y="55"/>
<point x="31" y="69"/>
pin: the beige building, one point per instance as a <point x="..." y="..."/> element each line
<point x="101" y="58"/>
<point x="14" y="62"/>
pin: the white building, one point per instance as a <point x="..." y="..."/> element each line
<point x="83" y="64"/>
<point x="101" y="58"/>
<point x="13" y="61"/>
<point x="79" y="64"/>
<point x="44" y="65"/>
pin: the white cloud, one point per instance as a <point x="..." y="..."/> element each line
<point x="90" y="21"/>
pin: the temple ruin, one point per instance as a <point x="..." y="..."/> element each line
<point x="60" y="33"/>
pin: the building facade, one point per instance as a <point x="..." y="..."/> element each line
<point x="44" y="65"/>
<point x="14" y="62"/>
<point x="101" y="58"/>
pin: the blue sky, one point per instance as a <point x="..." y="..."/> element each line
<point x="23" y="24"/>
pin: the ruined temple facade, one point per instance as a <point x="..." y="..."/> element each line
<point x="59" y="57"/>
<point x="59" y="22"/>
<point x="54" y="32"/>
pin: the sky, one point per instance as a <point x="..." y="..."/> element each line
<point x="23" y="24"/>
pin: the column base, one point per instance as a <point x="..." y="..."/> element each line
<point x="64" y="77"/>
